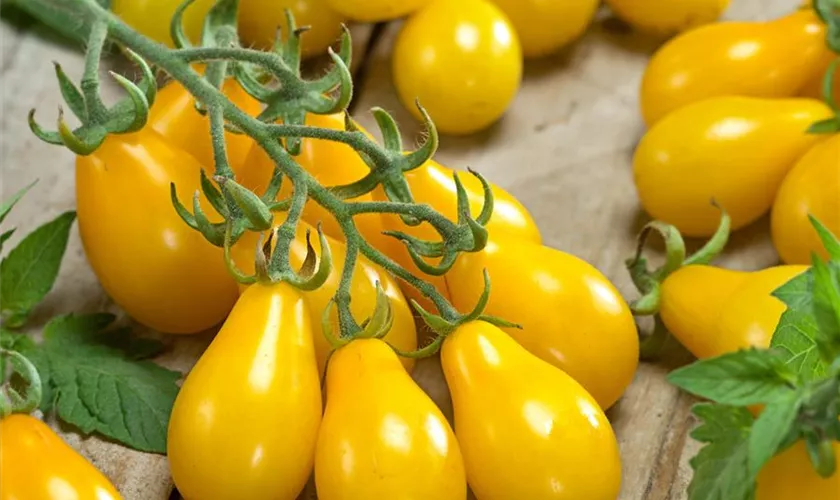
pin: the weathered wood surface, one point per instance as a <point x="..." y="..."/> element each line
<point x="564" y="148"/>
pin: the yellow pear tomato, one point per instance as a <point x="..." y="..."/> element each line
<point x="382" y="436"/>
<point x="526" y="429"/>
<point x="152" y="17"/>
<point x="756" y="59"/>
<point x="790" y="476"/>
<point x="811" y="188"/>
<point x="402" y="335"/>
<point x="245" y="422"/>
<point x="544" y="26"/>
<point x="735" y="150"/>
<point x="571" y="315"/>
<point x="714" y="311"/>
<point x="332" y="164"/>
<point x="160" y="271"/>
<point x="374" y="11"/>
<point x="259" y="21"/>
<point x="668" y="18"/>
<point x="35" y="463"/>
<point x="434" y="184"/>
<point x="174" y="116"/>
<point x="462" y="60"/>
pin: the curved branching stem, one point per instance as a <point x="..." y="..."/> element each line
<point x="274" y="78"/>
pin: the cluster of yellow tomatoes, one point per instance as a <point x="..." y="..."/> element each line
<point x="379" y="435"/>
<point x="250" y="422"/>
<point x="462" y="59"/>
<point x="729" y="106"/>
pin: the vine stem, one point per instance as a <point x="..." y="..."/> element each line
<point x="176" y="64"/>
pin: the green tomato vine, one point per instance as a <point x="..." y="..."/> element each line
<point x="274" y="78"/>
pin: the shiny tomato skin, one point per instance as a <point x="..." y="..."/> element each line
<point x="571" y="316"/>
<point x="402" y="335"/>
<point x="545" y="26"/>
<point x="259" y="21"/>
<point x="757" y="59"/>
<point x="374" y="11"/>
<point x="160" y="271"/>
<point x="814" y="88"/>
<point x="735" y="150"/>
<point x="434" y="184"/>
<point x="790" y="476"/>
<point x="260" y="371"/>
<point x="461" y="60"/>
<point x="151" y="17"/>
<point x="382" y="436"/>
<point x="657" y="18"/>
<point x="812" y="187"/>
<point x="174" y="116"/>
<point x="714" y="311"/>
<point x="35" y="463"/>
<point x="526" y="429"/>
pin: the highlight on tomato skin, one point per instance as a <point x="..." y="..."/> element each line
<point x="714" y="311"/>
<point x="434" y="184"/>
<point x="483" y="71"/>
<point x="35" y="463"/>
<point x="786" y="53"/>
<point x="735" y="150"/>
<point x="382" y="436"/>
<point x="163" y="273"/>
<point x="811" y="189"/>
<point x="545" y="27"/>
<point x="260" y="366"/>
<point x="572" y="317"/>
<point x="403" y="333"/>
<point x="537" y="433"/>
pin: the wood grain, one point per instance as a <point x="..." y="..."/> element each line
<point x="564" y="148"/>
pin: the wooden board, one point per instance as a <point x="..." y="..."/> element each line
<point x="564" y="148"/>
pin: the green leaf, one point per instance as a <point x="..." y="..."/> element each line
<point x="720" y="468"/>
<point x="827" y="126"/>
<point x="771" y="429"/>
<point x="27" y="274"/>
<point x="98" y="388"/>
<point x="5" y="236"/>
<point x="829" y="240"/>
<point x="133" y="346"/>
<point x="7" y="205"/>
<point x="827" y="299"/>
<point x="744" y="377"/>
<point x="797" y="331"/>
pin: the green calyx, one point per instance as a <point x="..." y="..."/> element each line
<point x="11" y="400"/>
<point x="648" y="281"/>
<point x="375" y="327"/>
<point x="829" y="12"/>
<point x="275" y="79"/>
<point x="829" y="125"/>
<point x="128" y="115"/>
<point x="224" y="209"/>
<point x="443" y="327"/>
<point x="467" y="235"/>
